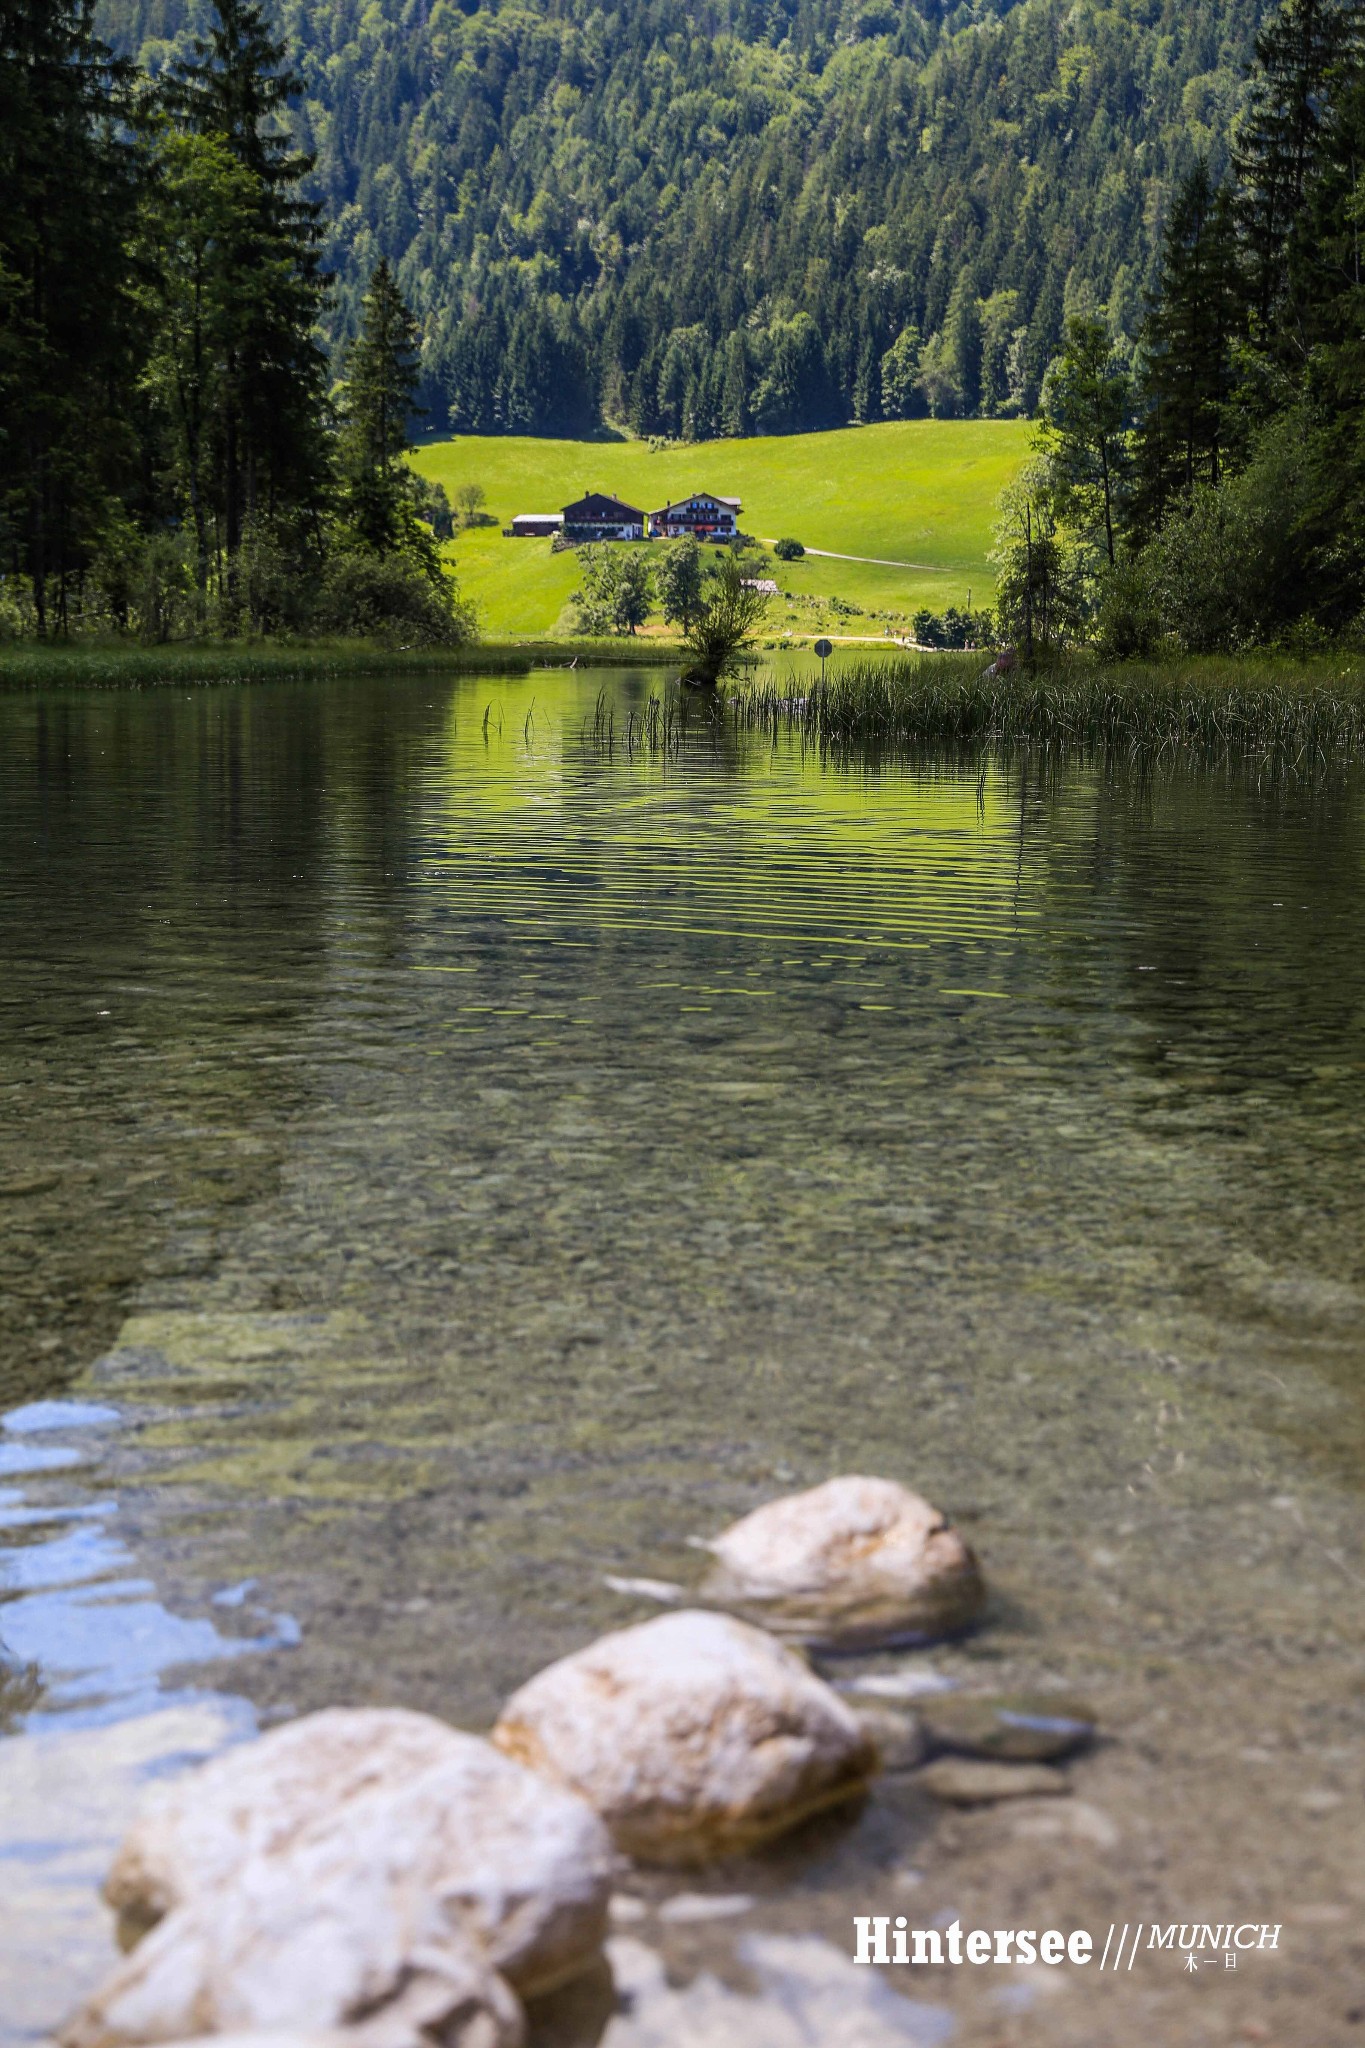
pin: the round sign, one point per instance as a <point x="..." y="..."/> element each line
<point x="824" y="648"/>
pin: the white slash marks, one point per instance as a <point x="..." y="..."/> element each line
<point x="1117" y="1963"/>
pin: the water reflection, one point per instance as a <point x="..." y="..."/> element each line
<point x="475" y="1162"/>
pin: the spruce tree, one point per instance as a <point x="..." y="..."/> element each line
<point x="274" y="456"/>
<point x="1186" y="376"/>
<point x="383" y="374"/>
<point x="1300" y="58"/>
<point x="68" y="344"/>
<point x="1084" y="432"/>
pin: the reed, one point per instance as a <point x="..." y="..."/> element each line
<point x="92" y="664"/>
<point x="1296" y="710"/>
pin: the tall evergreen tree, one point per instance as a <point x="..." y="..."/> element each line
<point x="1085" y="423"/>
<point x="68" y="181"/>
<point x="274" y="461"/>
<point x="1187" y="372"/>
<point x="383" y="374"/>
<point x="201" y="211"/>
<point x="1300" y="57"/>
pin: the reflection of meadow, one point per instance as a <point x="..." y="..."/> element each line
<point x="720" y="838"/>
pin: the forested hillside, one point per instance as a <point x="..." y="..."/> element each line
<point x="749" y="214"/>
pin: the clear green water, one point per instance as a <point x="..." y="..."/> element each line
<point x="457" y="1163"/>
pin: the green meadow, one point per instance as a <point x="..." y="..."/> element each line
<point x="915" y="492"/>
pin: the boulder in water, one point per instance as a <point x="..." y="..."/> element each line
<point x="524" y="1872"/>
<point x="855" y="1564"/>
<point x="692" y="1735"/>
<point x="303" y="1943"/>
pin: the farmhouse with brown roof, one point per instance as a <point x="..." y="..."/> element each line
<point x="708" y="517"/>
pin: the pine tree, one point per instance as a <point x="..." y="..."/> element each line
<point x="1300" y="58"/>
<point x="1186" y="377"/>
<point x="274" y="456"/>
<point x="200" y="210"/>
<point x="383" y="375"/>
<point x="69" y="175"/>
<point x="1084" y="433"/>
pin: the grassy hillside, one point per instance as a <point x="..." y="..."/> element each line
<point x="921" y="492"/>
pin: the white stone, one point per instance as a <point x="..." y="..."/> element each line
<point x="521" y="1869"/>
<point x="300" y="1943"/>
<point x="693" y="1909"/>
<point x="693" y="1736"/>
<point x="272" y="2037"/>
<point x="810" y="1995"/>
<point x="853" y="1564"/>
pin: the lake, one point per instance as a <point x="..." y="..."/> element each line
<point x="446" y="1161"/>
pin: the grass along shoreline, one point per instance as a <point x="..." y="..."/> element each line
<point x="1299" y="711"/>
<point x="115" y="664"/>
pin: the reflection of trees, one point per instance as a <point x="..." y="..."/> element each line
<point x="172" y="866"/>
<point x="1243" y="1022"/>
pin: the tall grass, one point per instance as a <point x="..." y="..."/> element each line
<point x="127" y="665"/>
<point x="1305" y="711"/>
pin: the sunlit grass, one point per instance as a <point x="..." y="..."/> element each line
<point x="119" y="664"/>
<point x="1299" y="711"/>
<point x="919" y="492"/>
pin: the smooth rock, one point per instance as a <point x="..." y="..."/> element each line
<point x="810" y="1994"/>
<point x="292" y="1943"/>
<point x="855" y="1564"/>
<point x="910" y="1682"/>
<point x="662" y="1591"/>
<point x="1070" y="1819"/>
<point x="693" y="1909"/>
<point x="21" y="1685"/>
<point x="692" y="1735"/>
<point x="272" y="2037"/>
<point x="899" y="1738"/>
<point x="963" y="1781"/>
<point x="522" y="1870"/>
<point x="1014" y="1727"/>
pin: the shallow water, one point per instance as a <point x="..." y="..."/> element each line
<point x="444" y="1162"/>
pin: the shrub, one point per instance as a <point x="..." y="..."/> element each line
<point x="391" y="598"/>
<point x="788" y="550"/>
<point x="726" y="625"/>
<point x="1129" y="623"/>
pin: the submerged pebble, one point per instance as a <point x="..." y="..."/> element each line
<point x="969" y="1781"/>
<point x="688" y="1909"/>
<point x="693" y="1735"/>
<point x="1013" y="1727"/>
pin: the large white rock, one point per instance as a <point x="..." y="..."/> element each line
<point x="693" y="1735"/>
<point x="521" y="1869"/>
<point x="299" y="1943"/>
<point x="851" y="1565"/>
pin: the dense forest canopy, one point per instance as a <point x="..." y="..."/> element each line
<point x="750" y="215"/>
